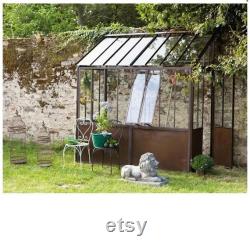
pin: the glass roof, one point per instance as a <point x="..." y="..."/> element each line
<point x="160" y="49"/>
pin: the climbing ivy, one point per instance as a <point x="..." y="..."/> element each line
<point x="87" y="36"/>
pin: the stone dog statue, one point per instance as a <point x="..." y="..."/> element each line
<point x="146" y="171"/>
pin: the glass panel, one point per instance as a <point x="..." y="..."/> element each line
<point x="123" y="51"/>
<point x="110" y="51"/>
<point x="163" y="51"/>
<point x="112" y="86"/>
<point x="136" y="98"/>
<point x="98" y="93"/>
<point x="150" y="99"/>
<point x="197" y="108"/>
<point x="89" y="58"/>
<point x="148" y="53"/>
<point x="174" y="101"/>
<point x="178" y="50"/>
<point x="126" y="78"/>
<point x="85" y="93"/>
<point x="135" y="51"/>
<point x="194" y="50"/>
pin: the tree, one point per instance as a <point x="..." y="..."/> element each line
<point x="204" y="19"/>
<point x="91" y="15"/>
<point x="23" y="20"/>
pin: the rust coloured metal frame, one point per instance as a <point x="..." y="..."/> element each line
<point x="133" y="132"/>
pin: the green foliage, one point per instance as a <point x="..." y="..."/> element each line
<point x="89" y="36"/>
<point x="91" y="15"/>
<point x="204" y="19"/>
<point x="202" y="162"/>
<point x="103" y="124"/>
<point x="23" y="20"/>
<point x="111" y="143"/>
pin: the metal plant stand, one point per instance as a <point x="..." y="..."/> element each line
<point x="110" y="150"/>
<point x="17" y="137"/>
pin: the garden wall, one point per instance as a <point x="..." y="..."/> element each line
<point x="40" y="82"/>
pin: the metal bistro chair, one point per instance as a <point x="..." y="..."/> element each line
<point x="117" y="136"/>
<point x="82" y="140"/>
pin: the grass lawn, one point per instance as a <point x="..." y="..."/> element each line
<point x="80" y="179"/>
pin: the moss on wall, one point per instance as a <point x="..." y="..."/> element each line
<point x="37" y="60"/>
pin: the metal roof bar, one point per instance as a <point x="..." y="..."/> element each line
<point x="149" y="43"/>
<point x="158" y="49"/>
<point x="116" y="51"/>
<point x="182" y="54"/>
<point x="130" y="50"/>
<point x="149" y="34"/>
<point x="186" y="67"/>
<point x="172" y="49"/>
<point x="104" y="51"/>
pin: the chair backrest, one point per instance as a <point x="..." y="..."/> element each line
<point x="119" y="130"/>
<point x="84" y="128"/>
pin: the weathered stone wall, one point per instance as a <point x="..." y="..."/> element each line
<point x="40" y="82"/>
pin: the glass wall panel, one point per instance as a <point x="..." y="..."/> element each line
<point x="126" y="80"/>
<point x="136" y="98"/>
<point x="85" y="93"/>
<point x="135" y="51"/>
<point x="149" y="52"/>
<point x="123" y="51"/>
<point x="197" y="110"/>
<point x="110" y="51"/>
<point x="150" y="98"/>
<point x="98" y="91"/>
<point x="112" y="94"/>
<point x="174" y="102"/>
<point x="89" y="58"/>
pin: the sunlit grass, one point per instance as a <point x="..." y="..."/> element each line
<point x="75" y="178"/>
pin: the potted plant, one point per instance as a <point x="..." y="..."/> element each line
<point x="103" y="125"/>
<point x="201" y="163"/>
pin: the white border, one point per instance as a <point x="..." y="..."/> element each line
<point x="77" y="221"/>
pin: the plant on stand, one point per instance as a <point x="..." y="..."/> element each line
<point x="103" y="125"/>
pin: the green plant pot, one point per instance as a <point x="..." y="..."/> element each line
<point x="100" y="138"/>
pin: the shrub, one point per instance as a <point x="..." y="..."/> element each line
<point x="202" y="162"/>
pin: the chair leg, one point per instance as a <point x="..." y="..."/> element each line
<point x="89" y="156"/>
<point x="102" y="157"/>
<point x="78" y="150"/>
<point x="92" y="161"/>
<point x="64" y="149"/>
<point x="110" y="157"/>
<point x="75" y="156"/>
<point x="119" y="162"/>
<point x="80" y="155"/>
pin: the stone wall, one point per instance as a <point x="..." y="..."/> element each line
<point x="40" y="82"/>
